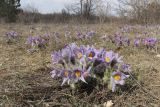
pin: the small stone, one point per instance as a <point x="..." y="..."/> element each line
<point x="108" y="104"/>
<point x="158" y="55"/>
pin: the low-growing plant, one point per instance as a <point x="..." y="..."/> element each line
<point x="76" y="63"/>
<point x="11" y="36"/>
<point x="37" y="42"/>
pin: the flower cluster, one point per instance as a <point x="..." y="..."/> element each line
<point x="121" y="40"/>
<point x="87" y="35"/>
<point x="150" y="42"/>
<point x="37" y="42"/>
<point x="137" y="42"/>
<point x="11" y="36"/>
<point x="74" y="63"/>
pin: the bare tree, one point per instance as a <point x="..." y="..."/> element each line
<point x="139" y="10"/>
<point x="30" y="14"/>
<point x="83" y="7"/>
<point x="90" y="9"/>
<point x="81" y="3"/>
<point x="103" y="9"/>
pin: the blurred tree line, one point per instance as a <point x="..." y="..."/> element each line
<point x="86" y="11"/>
<point x="140" y="11"/>
<point x="80" y="11"/>
<point x="9" y="10"/>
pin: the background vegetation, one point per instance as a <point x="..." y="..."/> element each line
<point x="86" y="11"/>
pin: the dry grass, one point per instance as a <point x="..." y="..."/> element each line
<point x="25" y="78"/>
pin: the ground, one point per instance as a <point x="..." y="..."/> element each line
<point x="25" y="78"/>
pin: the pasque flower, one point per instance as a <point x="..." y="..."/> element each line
<point x="92" y="53"/>
<point x="137" y="42"/>
<point x="125" y="68"/>
<point x="108" y="57"/>
<point x="36" y="42"/>
<point x="150" y="42"/>
<point x="56" y="57"/>
<point x="11" y="36"/>
<point x="90" y="34"/>
<point x="66" y="75"/>
<point x="72" y="76"/>
<point x="117" y="78"/>
<point x="82" y="61"/>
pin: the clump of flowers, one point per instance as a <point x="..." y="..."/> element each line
<point x="90" y="34"/>
<point x="87" y="35"/>
<point x="120" y="40"/>
<point x="76" y="63"/>
<point x="80" y="35"/>
<point x="150" y="42"/>
<point x="137" y="42"/>
<point x="11" y="36"/>
<point x="37" y="42"/>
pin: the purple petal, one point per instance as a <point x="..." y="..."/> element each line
<point x="64" y="81"/>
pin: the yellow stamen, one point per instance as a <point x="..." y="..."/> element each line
<point x="79" y="55"/>
<point x="66" y="73"/>
<point x="90" y="55"/>
<point x="77" y="74"/>
<point x="117" y="77"/>
<point x="107" y="59"/>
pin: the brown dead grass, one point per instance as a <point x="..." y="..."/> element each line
<point x="25" y="78"/>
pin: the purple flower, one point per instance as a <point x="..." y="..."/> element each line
<point x="77" y="62"/>
<point x="36" y="41"/>
<point x="73" y="47"/>
<point x="78" y="75"/>
<point x="109" y="56"/>
<point x="79" y="52"/>
<point x="126" y="68"/>
<point x="66" y="75"/>
<point x="68" y="51"/>
<point x="56" y="57"/>
<point x="55" y="73"/>
<point x="29" y="40"/>
<point x="126" y="41"/>
<point x="136" y="42"/>
<point x="118" y="40"/>
<point x="92" y="53"/>
<point x="79" y="35"/>
<point x="67" y="54"/>
<point x="100" y="54"/>
<point x="81" y="73"/>
<point x="111" y="59"/>
<point x="118" y="78"/>
<point x="71" y="75"/>
<point x="150" y="42"/>
<point x="11" y="36"/>
<point x="90" y="34"/>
